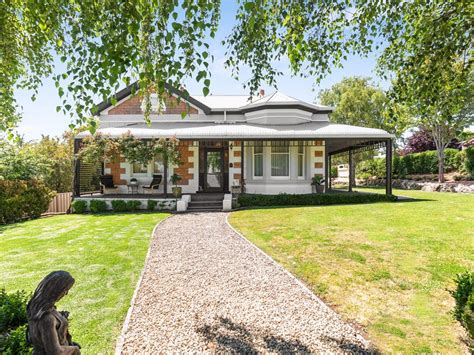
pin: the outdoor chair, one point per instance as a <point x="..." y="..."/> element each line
<point x="155" y="183"/>
<point x="107" y="183"/>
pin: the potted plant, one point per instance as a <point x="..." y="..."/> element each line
<point x="174" y="179"/>
<point x="236" y="189"/>
<point x="317" y="183"/>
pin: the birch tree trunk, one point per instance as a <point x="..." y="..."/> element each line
<point x="441" y="144"/>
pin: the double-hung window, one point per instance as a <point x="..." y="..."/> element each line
<point x="280" y="160"/>
<point x="258" y="161"/>
<point x="300" y="160"/>
<point x="139" y="168"/>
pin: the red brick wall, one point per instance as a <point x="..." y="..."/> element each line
<point x="116" y="170"/>
<point x="183" y="169"/>
<point x="133" y="106"/>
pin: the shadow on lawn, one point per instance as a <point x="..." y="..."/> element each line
<point x="401" y="200"/>
<point x="227" y="336"/>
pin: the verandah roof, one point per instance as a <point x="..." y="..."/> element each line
<point x="242" y="131"/>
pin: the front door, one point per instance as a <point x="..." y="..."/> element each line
<point x="214" y="169"/>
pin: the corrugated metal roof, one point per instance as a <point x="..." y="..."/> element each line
<point x="188" y="130"/>
<point x="243" y="102"/>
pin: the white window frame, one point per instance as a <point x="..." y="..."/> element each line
<point x="253" y="163"/>
<point x="303" y="161"/>
<point x="132" y="173"/>
<point x="286" y="177"/>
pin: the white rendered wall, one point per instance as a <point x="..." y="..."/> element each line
<point x="293" y="184"/>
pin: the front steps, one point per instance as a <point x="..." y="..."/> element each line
<point x="206" y="202"/>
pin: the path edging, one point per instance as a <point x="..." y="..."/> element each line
<point x="121" y="339"/>
<point x="294" y="278"/>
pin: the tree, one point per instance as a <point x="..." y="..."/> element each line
<point x="49" y="160"/>
<point x="359" y="102"/>
<point x="422" y="140"/>
<point x="55" y="160"/>
<point x="110" y="43"/>
<point x="447" y="113"/>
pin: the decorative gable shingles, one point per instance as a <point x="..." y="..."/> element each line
<point x="132" y="106"/>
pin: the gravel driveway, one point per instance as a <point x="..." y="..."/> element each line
<point x="206" y="289"/>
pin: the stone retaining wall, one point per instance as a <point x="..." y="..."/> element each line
<point x="451" y="186"/>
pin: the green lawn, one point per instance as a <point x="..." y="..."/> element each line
<point x="104" y="253"/>
<point x="386" y="266"/>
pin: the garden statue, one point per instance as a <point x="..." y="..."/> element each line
<point x="47" y="327"/>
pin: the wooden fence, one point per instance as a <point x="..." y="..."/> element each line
<point x="60" y="203"/>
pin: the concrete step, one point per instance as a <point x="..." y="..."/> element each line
<point x="205" y="203"/>
<point x="207" y="196"/>
<point x="204" y="209"/>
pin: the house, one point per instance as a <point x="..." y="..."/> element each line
<point x="270" y="144"/>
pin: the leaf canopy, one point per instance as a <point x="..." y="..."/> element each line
<point x="107" y="44"/>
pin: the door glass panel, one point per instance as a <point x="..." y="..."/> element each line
<point x="214" y="170"/>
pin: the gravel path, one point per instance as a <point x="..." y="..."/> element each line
<point x="206" y="289"/>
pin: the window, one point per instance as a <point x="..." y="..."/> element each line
<point x="258" y="161"/>
<point x="280" y="160"/>
<point x="158" y="166"/>
<point x="138" y="168"/>
<point x="300" y="160"/>
<point x="157" y="105"/>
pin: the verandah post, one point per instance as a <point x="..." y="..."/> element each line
<point x="76" y="183"/>
<point x="327" y="168"/>
<point x="165" y="174"/>
<point x="351" y="170"/>
<point x="242" y="155"/>
<point x="329" y="174"/>
<point x="388" y="167"/>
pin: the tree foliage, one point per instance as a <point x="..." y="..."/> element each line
<point x="426" y="45"/>
<point x="422" y="140"/>
<point x="49" y="160"/>
<point x="98" y="148"/>
<point x="102" y="45"/>
<point x="359" y="102"/>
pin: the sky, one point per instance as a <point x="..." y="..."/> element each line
<point x="40" y="117"/>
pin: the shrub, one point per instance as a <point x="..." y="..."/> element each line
<point x="453" y="159"/>
<point x="23" y="199"/>
<point x="79" y="206"/>
<point x="133" y="205"/>
<point x="411" y="164"/>
<point x="15" y="342"/>
<point x="97" y="206"/>
<point x="13" y="323"/>
<point x="464" y="297"/>
<point x="12" y="309"/>
<point x="247" y="200"/>
<point x="425" y="162"/>
<point x="371" y="168"/>
<point x="119" y="205"/>
<point x="469" y="162"/>
<point x="151" y="204"/>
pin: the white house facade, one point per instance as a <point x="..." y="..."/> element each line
<point x="271" y="144"/>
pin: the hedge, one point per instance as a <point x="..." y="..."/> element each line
<point x="79" y="206"/>
<point x="469" y="162"/>
<point x="250" y="200"/>
<point x="418" y="163"/>
<point x="20" y="199"/>
<point x="464" y="297"/>
<point x="97" y="206"/>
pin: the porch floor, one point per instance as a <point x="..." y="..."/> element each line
<point x="141" y="196"/>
